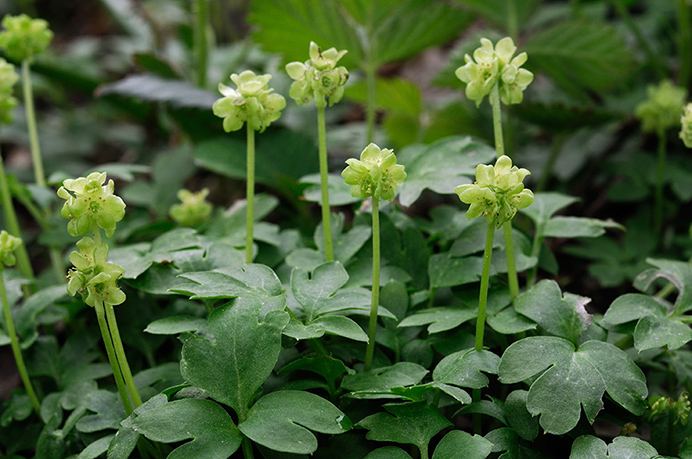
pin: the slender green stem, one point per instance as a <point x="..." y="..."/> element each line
<point x="511" y="264"/>
<point x="324" y="177"/>
<point x="512" y="20"/>
<point x="371" y="102"/>
<point x="200" y="41"/>
<point x="247" y="448"/>
<point x="660" y="177"/>
<point x="120" y="354"/>
<point x="651" y="56"/>
<point x="16" y="350"/>
<point x="497" y="119"/>
<point x="372" y="326"/>
<point x="12" y="223"/>
<point x="250" y="215"/>
<point x="485" y="281"/>
<point x="39" y="175"/>
<point x="424" y="452"/>
<point x="112" y="358"/>
<point x="685" y="44"/>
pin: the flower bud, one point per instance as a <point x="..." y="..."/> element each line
<point x="497" y="193"/>
<point x="23" y="37"/>
<point x="92" y="276"/>
<point x="686" y="122"/>
<point x="376" y="175"/>
<point x="193" y="210"/>
<point x="318" y="78"/>
<point x="8" y="78"/>
<point x="252" y="102"/>
<point x="8" y="244"/>
<point x="491" y="65"/>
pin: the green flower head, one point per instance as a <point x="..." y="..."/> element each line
<point x="686" y="122"/>
<point x="497" y="193"/>
<point x="491" y="65"/>
<point x="8" y="78"/>
<point x="8" y="244"/>
<point x="91" y="204"/>
<point x="92" y="276"/>
<point x="376" y="175"/>
<point x="662" y="109"/>
<point x="252" y="102"/>
<point x="318" y="78"/>
<point x="193" y="209"/>
<point x="23" y="37"/>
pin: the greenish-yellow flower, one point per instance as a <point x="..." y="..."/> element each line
<point x="8" y="78"/>
<point x="318" y="78"/>
<point x="252" y="102"/>
<point x="8" y="244"/>
<point x="495" y="65"/>
<point x="92" y="276"/>
<point x="686" y="122"/>
<point x="24" y="37"/>
<point x="375" y="175"/>
<point x="497" y="193"/>
<point x="193" y="209"/>
<point x="663" y="107"/>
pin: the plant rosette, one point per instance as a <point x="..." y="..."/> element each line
<point x="375" y="175"/>
<point x="497" y="193"/>
<point x="90" y="204"/>
<point x="252" y="101"/>
<point x="492" y="65"/>
<point x="318" y="78"/>
<point x="24" y="37"/>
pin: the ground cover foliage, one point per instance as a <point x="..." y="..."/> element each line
<point x="287" y="233"/>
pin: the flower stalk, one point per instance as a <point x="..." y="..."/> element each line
<point x="250" y="193"/>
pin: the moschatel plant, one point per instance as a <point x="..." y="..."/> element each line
<point x="405" y="330"/>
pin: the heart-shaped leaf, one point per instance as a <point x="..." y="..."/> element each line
<point x="280" y="421"/>
<point x="242" y="356"/>
<point x="572" y="379"/>
<point x="211" y="429"/>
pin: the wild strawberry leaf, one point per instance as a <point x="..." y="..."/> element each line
<point x="242" y="356"/>
<point x="572" y="378"/>
<point x="282" y="421"/>
<point x="209" y="427"/>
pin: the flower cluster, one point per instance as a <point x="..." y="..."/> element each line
<point x="495" y="65"/>
<point x="679" y="408"/>
<point x="193" y="209"/>
<point x="318" y="78"/>
<point x="662" y="109"/>
<point x="23" y="37"/>
<point x="252" y="102"/>
<point x="376" y="175"/>
<point x="686" y="122"/>
<point x="8" y="244"/>
<point x="8" y="78"/>
<point x="497" y="193"/>
<point x="90" y="204"/>
<point x="92" y="276"/>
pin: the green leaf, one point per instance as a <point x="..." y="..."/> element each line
<point x="578" y="227"/>
<point x="545" y="205"/>
<point x="29" y="316"/>
<point x="339" y="192"/>
<point x="448" y="271"/>
<point x="572" y="379"/>
<point x="590" y="447"/>
<point x="561" y="316"/>
<point x="442" y="166"/>
<point x="458" y="444"/>
<point x="388" y="452"/>
<point x="174" y="325"/>
<point x="465" y="368"/>
<point x="396" y="95"/>
<point x="655" y="327"/>
<point x="126" y="438"/>
<point x="409" y="423"/>
<point x="506" y="13"/>
<point x="440" y="318"/>
<point x="345" y="243"/>
<point x="518" y="416"/>
<point x="96" y="448"/>
<point x="280" y="421"/>
<point x="400" y="374"/>
<point x="207" y="424"/>
<point x="108" y="411"/>
<point x="281" y="157"/>
<point x="580" y="55"/>
<point x="248" y="281"/>
<point x="678" y="273"/>
<point x="310" y="288"/>
<point x="242" y="356"/>
<point x="341" y="326"/>
<point x="506" y="439"/>
<point x="329" y="368"/>
<point x="153" y="88"/>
